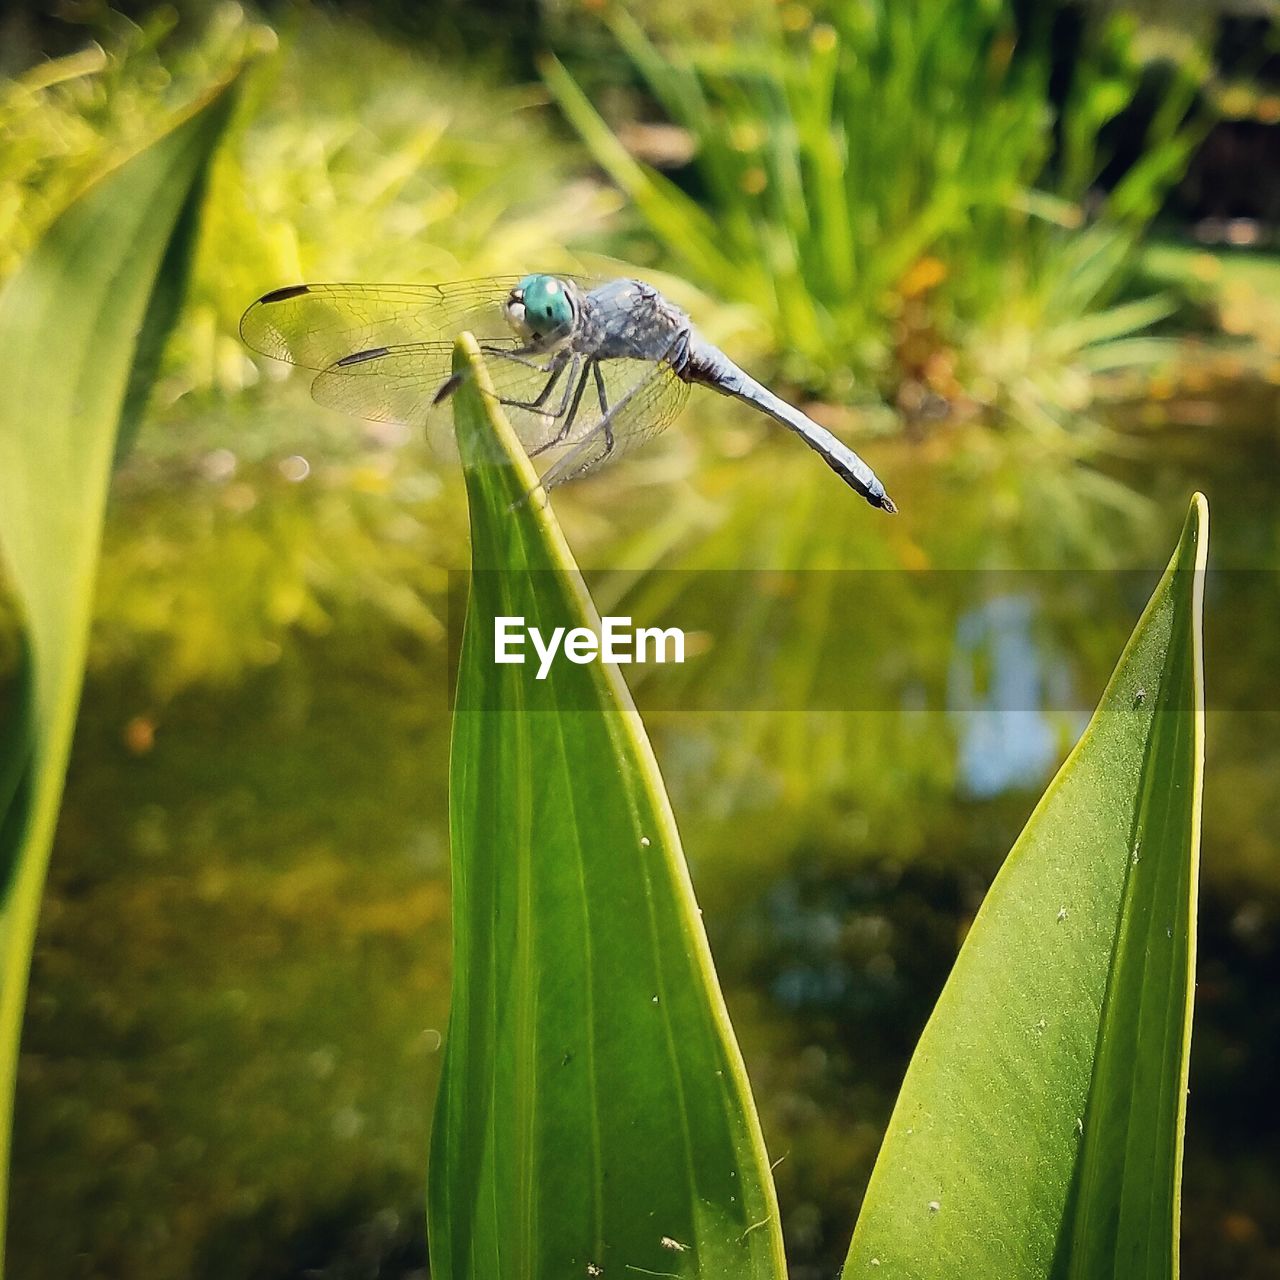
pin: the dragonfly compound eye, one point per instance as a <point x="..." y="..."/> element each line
<point x="546" y="303"/>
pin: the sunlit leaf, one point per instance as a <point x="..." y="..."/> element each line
<point x="594" y="1116"/>
<point x="1039" y="1131"/>
<point x="81" y="323"/>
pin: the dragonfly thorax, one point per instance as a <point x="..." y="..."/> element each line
<point x="541" y="307"/>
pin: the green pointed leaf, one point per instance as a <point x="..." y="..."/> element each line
<point x="593" y="1110"/>
<point x="1039" y="1130"/>
<point x="81" y="325"/>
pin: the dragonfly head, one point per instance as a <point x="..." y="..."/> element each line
<point x="540" y="307"/>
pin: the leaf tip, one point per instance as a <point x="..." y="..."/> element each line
<point x="1195" y="533"/>
<point x="1200" y="510"/>
<point x="466" y="353"/>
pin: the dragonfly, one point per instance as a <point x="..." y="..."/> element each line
<point x="586" y="370"/>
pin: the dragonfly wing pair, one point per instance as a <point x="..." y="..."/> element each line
<point x="383" y="352"/>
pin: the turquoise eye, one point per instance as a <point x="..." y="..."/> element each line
<point x="546" y="303"/>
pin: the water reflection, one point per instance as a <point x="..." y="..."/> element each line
<point x="1001" y="679"/>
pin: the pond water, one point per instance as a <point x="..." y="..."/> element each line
<point x="241" y="976"/>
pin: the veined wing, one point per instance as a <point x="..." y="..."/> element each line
<point x="545" y="398"/>
<point x="400" y="384"/>
<point x="314" y="326"/>
<point x="554" y="402"/>
<point x="388" y="384"/>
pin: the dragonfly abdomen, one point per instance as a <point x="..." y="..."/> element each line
<point x="710" y="366"/>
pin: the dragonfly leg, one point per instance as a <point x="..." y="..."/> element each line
<point x="518" y="355"/>
<point x="605" y="417"/>
<point x="571" y="416"/>
<point x="660" y="394"/>
<point x="605" y="425"/>
<point x="557" y="368"/>
<point x="600" y="391"/>
<point x="554" y="366"/>
<point x="568" y="389"/>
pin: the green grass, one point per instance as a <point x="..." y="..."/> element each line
<point x="208" y="578"/>
<point x="1040" y="1129"/>
<point x="879" y="185"/>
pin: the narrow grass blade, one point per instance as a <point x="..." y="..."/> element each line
<point x="594" y="1116"/>
<point x="1039" y="1131"/>
<point x="80" y="325"/>
<point x="677" y="217"/>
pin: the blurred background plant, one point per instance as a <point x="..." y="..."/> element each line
<point x="66" y="119"/>
<point x="1025" y="252"/>
<point x="898" y="192"/>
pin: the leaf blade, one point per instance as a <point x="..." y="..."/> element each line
<point x="77" y="339"/>
<point x="1002" y="1155"/>
<point x="594" y="1110"/>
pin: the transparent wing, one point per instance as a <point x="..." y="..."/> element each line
<point x="316" y="325"/>
<point x="389" y="384"/>
<point x="641" y="409"/>
<point x="400" y="384"/>
<point x="554" y="402"/>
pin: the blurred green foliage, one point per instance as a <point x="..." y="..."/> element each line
<point x="352" y="157"/>
<point x="206" y="588"/>
<point x="67" y="119"/>
<point x="362" y="160"/>
<point x="888" y="188"/>
<point x="100" y="290"/>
